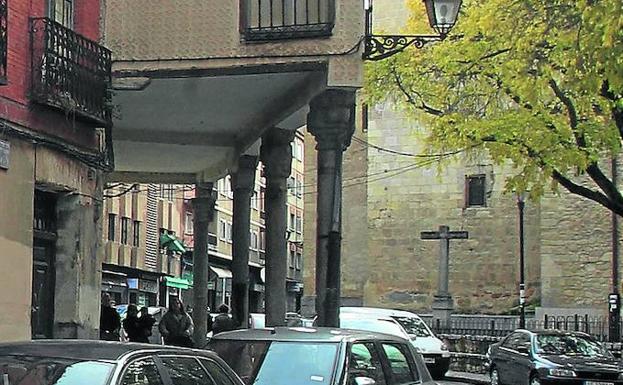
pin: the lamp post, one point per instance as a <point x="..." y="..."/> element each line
<point x="521" y="202"/>
<point x="442" y="15"/>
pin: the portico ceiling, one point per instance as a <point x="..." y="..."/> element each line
<point x="171" y="127"/>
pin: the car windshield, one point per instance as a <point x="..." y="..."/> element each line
<point x="414" y="327"/>
<point x="570" y="345"/>
<point x="26" y="370"/>
<point x="377" y="325"/>
<point x="279" y="363"/>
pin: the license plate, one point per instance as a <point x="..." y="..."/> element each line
<point x="598" y="383"/>
<point x="432" y="361"/>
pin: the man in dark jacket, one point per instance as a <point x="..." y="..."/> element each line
<point x="110" y="322"/>
<point x="176" y="326"/>
<point x="223" y="321"/>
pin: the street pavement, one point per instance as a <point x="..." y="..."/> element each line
<point x="453" y="377"/>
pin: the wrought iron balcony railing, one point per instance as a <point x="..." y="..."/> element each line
<point x="287" y="19"/>
<point x="70" y="72"/>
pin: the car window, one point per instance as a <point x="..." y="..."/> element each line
<point x="402" y="370"/>
<point x="413" y="326"/>
<point x="142" y="372"/>
<point x="242" y="356"/>
<point x="364" y="362"/>
<point x="218" y="373"/>
<point x="512" y="341"/>
<point x="26" y="370"/>
<point x="569" y="344"/>
<point x="300" y="363"/>
<point x="185" y="371"/>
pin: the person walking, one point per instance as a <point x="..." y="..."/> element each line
<point x="176" y="326"/>
<point x="146" y="322"/>
<point x="223" y="321"/>
<point x="132" y="326"/>
<point x="110" y="322"/>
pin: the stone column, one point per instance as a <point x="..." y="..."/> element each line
<point x="243" y="182"/>
<point x="203" y="213"/>
<point x="276" y="154"/>
<point x="331" y="122"/>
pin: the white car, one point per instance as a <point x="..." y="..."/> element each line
<point x="410" y="326"/>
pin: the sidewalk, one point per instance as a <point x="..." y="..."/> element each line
<point x="472" y="378"/>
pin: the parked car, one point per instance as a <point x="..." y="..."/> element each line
<point x="320" y="356"/>
<point x="435" y="351"/>
<point x="552" y="357"/>
<point x="73" y="362"/>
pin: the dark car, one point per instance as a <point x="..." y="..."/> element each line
<point x="320" y="356"/>
<point x="552" y="357"/>
<point x="75" y="362"/>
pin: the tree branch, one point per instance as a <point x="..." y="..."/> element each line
<point x="588" y="193"/>
<point x="421" y="105"/>
<point x="617" y="113"/>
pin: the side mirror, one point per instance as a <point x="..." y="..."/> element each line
<point x="363" y="381"/>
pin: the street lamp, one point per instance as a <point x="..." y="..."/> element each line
<point x="442" y="15"/>
<point x="521" y="202"/>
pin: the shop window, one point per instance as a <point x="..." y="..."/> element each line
<point x="476" y="194"/>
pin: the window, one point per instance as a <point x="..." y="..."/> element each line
<point x="299" y="223"/>
<point x="188" y="223"/>
<point x="254" y="200"/>
<point x="299" y="260"/>
<point x="229" y="231"/>
<point x="217" y="372"/>
<point x="4" y="6"/>
<point x="229" y="191"/>
<point x="292" y="223"/>
<point x="254" y="240"/>
<point x="170" y="192"/>
<point x="299" y="186"/>
<point x="185" y="371"/>
<point x="299" y="150"/>
<point x="222" y="230"/>
<point x="142" y="372"/>
<point x="476" y="195"/>
<point x="292" y="260"/>
<point x="291" y="185"/>
<point x="112" y="218"/>
<point x="262" y="196"/>
<point x="400" y="367"/>
<point x="262" y="240"/>
<point x="125" y="224"/>
<point x="364" y="362"/>
<point x="136" y="234"/>
<point x="62" y="12"/>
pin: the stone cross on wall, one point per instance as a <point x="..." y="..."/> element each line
<point x="443" y="303"/>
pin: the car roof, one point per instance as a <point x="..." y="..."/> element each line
<point x="320" y="334"/>
<point x="378" y="311"/>
<point x="86" y="349"/>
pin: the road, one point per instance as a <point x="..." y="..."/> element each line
<point x="451" y="383"/>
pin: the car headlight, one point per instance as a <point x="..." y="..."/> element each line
<point x="444" y="347"/>
<point x="562" y="372"/>
<point x="621" y="376"/>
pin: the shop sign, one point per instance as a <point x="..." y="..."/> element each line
<point x="148" y="286"/>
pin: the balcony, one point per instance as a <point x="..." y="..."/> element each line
<point x="266" y="20"/>
<point x="70" y="72"/>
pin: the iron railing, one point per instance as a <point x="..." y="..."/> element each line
<point x="493" y="326"/>
<point x="287" y="19"/>
<point x="70" y="72"/>
<point x="4" y="7"/>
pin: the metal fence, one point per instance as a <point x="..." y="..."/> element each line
<point x="498" y="326"/>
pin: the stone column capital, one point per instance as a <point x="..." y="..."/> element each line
<point x="276" y="153"/>
<point x="244" y="177"/>
<point x="331" y="119"/>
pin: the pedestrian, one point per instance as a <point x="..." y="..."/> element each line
<point x="176" y="326"/>
<point x="110" y="322"/>
<point x="223" y="321"/>
<point x="209" y="320"/>
<point x="132" y="327"/>
<point x="146" y="322"/>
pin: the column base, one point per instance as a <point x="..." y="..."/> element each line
<point x="443" y="307"/>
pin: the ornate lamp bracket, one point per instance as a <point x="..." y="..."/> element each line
<point x="379" y="47"/>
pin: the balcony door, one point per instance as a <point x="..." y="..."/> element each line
<point x="62" y="12"/>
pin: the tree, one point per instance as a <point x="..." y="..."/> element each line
<point x="534" y="82"/>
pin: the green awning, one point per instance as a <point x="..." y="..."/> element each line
<point x="170" y="242"/>
<point x="179" y="283"/>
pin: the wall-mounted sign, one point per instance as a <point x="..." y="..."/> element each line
<point x="5" y="151"/>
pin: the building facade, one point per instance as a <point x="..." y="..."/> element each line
<point x="55" y="116"/>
